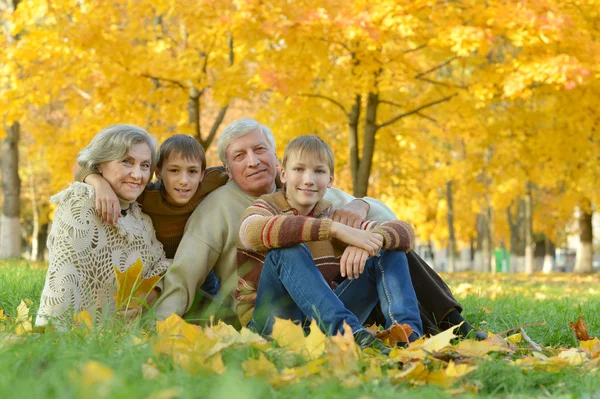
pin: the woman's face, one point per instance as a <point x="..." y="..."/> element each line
<point x="128" y="176"/>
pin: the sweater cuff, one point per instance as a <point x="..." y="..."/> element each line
<point x="325" y="229"/>
<point x="82" y="173"/>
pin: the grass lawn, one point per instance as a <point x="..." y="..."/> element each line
<point x="122" y="362"/>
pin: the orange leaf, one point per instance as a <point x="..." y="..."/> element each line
<point x="580" y="330"/>
<point x="132" y="289"/>
<point x="396" y="333"/>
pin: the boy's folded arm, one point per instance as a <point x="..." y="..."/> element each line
<point x="260" y="233"/>
<point x="397" y="234"/>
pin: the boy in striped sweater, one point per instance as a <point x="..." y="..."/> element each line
<point x="291" y="255"/>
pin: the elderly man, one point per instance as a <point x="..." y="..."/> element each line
<point x="247" y="150"/>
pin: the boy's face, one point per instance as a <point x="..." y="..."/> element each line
<point x="306" y="181"/>
<point x="181" y="177"/>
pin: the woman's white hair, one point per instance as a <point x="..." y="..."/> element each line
<point x="239" y="129"/>
<point x="113" y="143"/>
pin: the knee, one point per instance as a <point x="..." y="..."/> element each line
<point x="293" y="253"/>
<point x="393" y="259"/>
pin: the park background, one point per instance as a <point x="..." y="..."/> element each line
<point x="477" y="121"/>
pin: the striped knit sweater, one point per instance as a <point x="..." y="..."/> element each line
<point x="272" y="223"/>
<point x="169" y="220"/>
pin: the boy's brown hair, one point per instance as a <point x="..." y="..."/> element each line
<point x="304" y="146"/>
<point x="185" y="146"/>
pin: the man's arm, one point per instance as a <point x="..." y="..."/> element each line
<point x="353" y="209"/>
<point x="193" y="261"/>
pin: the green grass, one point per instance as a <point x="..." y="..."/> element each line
<point x="49" y="365"/>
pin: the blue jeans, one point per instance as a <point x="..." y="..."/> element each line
<point x="212" y="284"/>
<point x="292" y="287"/>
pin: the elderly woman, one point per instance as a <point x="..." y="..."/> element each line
<point x="83" y="248"/>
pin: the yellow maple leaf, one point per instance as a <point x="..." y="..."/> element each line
<point x="95" y="373"/>
<point x="286" y="332"/>
<point x="132" y="289"/>
<point x="343" y="353"/>
<point x="83" y="318"/>
<point x="290" y="335"/>
<point x="479" y="348"/>
<point x="454" y="371"/>
<point x="260" y="367"/>
<point x="441" y="340"/>
<point x="592" y="345"/>
<point x="23" y="320"/>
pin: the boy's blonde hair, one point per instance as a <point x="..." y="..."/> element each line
<point x="185" y="146"/>
<point x="305" y="146"/>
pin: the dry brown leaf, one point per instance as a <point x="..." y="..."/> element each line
<point x="398" y="333"/>
<point x="580" y="330"/>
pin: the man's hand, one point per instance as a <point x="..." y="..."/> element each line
<point x="353" y="262"/>
<point x="370" y="242"/>
<point x="107" y="202"/>
<point x="352" y="214"/>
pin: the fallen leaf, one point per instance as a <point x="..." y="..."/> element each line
<point x="343" y="353"/>
<point x="260" y="367"/>
<point x="132" y="289"/>
<point x="398" y="333"/>
<point x="94" y="373"/>
<point x="168" y="393"/>
<point x="83" y="319"/>
<point x="23" y="320"/>
<point x="592" y="346"/>
<point x="441" y="340"/>
<point x="291" y="336"/>
<point x="479" y="348"/>
<point x="573" y="356"/>
<point x="580" y="330"/>
<point x="149" y="370"/>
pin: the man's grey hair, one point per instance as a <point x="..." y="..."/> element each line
<point x="239" y="129"/>
<point x="113" y="143"/>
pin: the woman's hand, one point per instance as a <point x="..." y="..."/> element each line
<point x="107" y="202"/>
<point x="129" y="313"/>
<point x="370" y="242"/>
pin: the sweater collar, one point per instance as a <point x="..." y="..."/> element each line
<point x="125" y="205"/>
<point x="283" y="204"/>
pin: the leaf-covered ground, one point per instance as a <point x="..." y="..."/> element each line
<point x="176" y="359"/>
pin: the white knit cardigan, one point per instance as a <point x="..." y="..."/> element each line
<point x="83" y="250"/>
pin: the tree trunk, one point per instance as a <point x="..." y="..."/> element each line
<point x="529" y="243"/>
<point x="35" y="215"/>
<point x="585" y="252"/>
<point x="548" y="257"/>
<point x="41" y="255"/>
<point x="10" y="224"/>
<point x="353" y="119"/>
<point x="366" y="160"/>
<point x="485" y="240"/>
<point x="451" y="239"/>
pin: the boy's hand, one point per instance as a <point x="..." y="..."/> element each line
<point x="370" y="242"/>
<point x="353" y="262"/>
<point x="107" y="202"/>
<point x="352" y="214"/>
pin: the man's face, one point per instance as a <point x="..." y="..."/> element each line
<point x="252" y="164"/>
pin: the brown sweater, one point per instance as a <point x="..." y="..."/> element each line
<point x="169" y="220"/>
<point x="272" y="223"/>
